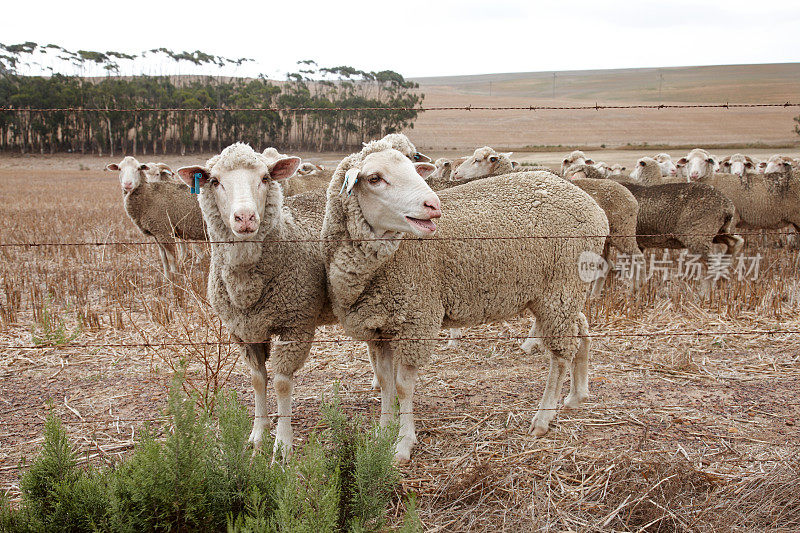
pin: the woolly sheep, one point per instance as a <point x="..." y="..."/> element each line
<point x="649" y="171"/>
<point x="603" y="167"/>
<point x="666" y="165"/>
<point x="485" y="162"/>
<point x="577" y="157"/>
<point x="738" y="164"/>
<point x="401" y="293"/>
<point x="698" y="164"/>
<point x="616" y="170"/>
<point x="779" y="163"/>
<point x="158" y="172"/>
<point x="163" y="210"/>
<point x="763" y="201"/>
<point x="262" y="288"/>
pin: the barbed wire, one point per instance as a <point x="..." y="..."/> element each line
<point x="341" y="340"/>
<point x="595" y="107"/>
<point x="371" y="239"/>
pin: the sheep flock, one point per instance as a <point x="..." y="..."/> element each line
<point x="395" y="247"/>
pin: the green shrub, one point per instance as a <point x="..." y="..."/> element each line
<point x="56" y="494"/>
<point x="198" y="474"/>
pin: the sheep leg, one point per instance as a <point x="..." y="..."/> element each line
<point x="455" y="335"/>
<point x="579" y="379"/>
<point x="405" y="382"/>
<point x="256" y="355"/>
<point x="372" y="352"/>
<point x="552" y="392"/>
<point x="162" y="255"/>
<point x="289" y="356"/>
<point x="169" y="254"/>
<point x="384" y="372"/>
<point x="533" y="340"/>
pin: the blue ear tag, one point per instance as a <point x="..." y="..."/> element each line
<point x="196" y="188"/>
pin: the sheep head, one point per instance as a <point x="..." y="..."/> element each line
<point x="484" y="162"/>
<point x="131" y="173"/>
<point x="392" y="193"/>
<point x="698" y="164"/>
<point x="240" y="181"/>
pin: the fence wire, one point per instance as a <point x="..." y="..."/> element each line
<point x="596" y="107"/>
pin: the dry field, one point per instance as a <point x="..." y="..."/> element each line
<point x="461" y="130"/>
<point x="691" y="426"/>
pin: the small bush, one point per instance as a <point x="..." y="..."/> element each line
<point x="198" y="474"/>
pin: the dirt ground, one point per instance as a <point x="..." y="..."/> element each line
<point x="692" y="424"/>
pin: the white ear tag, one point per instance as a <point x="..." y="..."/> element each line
<point x="350" y="179"/>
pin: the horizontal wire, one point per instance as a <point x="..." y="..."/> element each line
<point x="340" y="340"/>
<point x="596" y="107"/>
<point x="622" y="407"/>
<point x="371" y="239"/>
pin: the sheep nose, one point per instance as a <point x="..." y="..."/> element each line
<point x="695" y="174"/>
<point x="245" y="220"/>
<point x="434" y="207"/>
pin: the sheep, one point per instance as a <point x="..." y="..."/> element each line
<point x="486" y="161"/>
<point x="163" y="210"/>
<point x="698" y="164"/>
<point x="666" y="165"/>
<point x="682" y="215"/>
<point x="779" y="163"/>
<point x="271" y="281"/>
<point x="400" y="293"/>
<point x="737" y="164"/>
<point x="577" y="157"/>
<point x="603" y="167"/>
<point x="762" y="201"/>
<point x="616" y="170"/>
<point x="649" y="171"/>
<point x="158" y="172"/>
<point x="442" y="177"/>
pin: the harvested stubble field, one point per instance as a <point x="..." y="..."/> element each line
<point x="684" y="432"/>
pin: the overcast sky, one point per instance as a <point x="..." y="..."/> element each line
<point x="425" y="38"/>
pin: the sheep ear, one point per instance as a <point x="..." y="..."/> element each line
<point x="350" y="179"/>
<point x="424" y="169"/>
<point x="284" y="168"/>
<point x="514" y="164"/>
<point x="112" y="166"/>
<point x="590" y="161"/>
<point x="682" y="161"/>
<point x="187" y="174"/>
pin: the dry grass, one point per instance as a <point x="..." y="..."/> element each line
<point x="681" y="433"/>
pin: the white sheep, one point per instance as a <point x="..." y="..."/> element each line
<point x="401" y="293"/>
<point x="577" y="157"/>
<point x="666" y="164"/>
<point x="697" y="164"/>
<point x="164" y="210"/>
<point x="270" y="282"/>
<point x="737" y="164"/>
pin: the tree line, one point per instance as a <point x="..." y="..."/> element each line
<point x="115" y="110"/>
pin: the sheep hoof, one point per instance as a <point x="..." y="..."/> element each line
<point x="403" y="453"/>
<point x="540" y="431"/>
<point x="574" y="402"/>
<point x="530" y="343"/>
<point x="281" y="451"/>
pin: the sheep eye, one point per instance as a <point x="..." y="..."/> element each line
<point x="374" y="179"/>
<point x="417" y="157"/>
<point x="214" y="182"/>
<point x="642" y="163"/>
<point x="710" y="160"/>
<point x="265" y="179"/>
<point x="493" y="159"/>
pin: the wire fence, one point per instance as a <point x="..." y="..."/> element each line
<point x="596" y="107"/>
<point x="341" y="340"/>
<point x="372" y="239"/>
